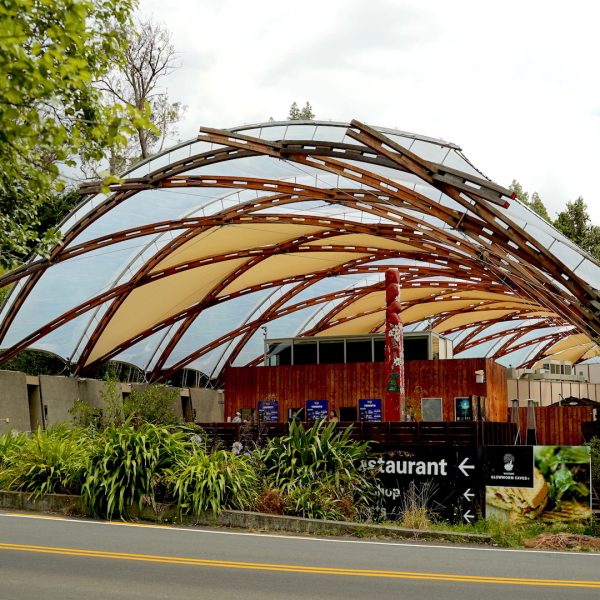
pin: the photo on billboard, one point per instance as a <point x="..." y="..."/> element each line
<point x="560" y="491"/>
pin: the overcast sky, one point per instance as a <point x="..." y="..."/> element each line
<point x="515" y="84"/>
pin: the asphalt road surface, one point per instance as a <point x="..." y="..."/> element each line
<point x="52" y="558"/>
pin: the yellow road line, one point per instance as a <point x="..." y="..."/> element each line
<point x="315" y="570"/>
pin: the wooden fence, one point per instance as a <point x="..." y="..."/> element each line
<point x="385" y="436"/>
<point x="556" y="425"/>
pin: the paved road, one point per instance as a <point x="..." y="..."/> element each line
<point x="53" y="558"/>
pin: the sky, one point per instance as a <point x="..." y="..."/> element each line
<point x="515" y="84"/>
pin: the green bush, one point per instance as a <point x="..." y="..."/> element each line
<point x="128" y="465"/>
<point x="153" y="404"/>
<point x="222" y="479"/>
<point x="317" y="471"/>
<point x="52" y="461"/>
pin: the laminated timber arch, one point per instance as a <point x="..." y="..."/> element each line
<point x="300" y="219"/>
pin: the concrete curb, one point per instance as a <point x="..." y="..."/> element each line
<point x="167" y="513"/>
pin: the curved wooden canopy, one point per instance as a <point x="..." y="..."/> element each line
<point x="283" y="224"/>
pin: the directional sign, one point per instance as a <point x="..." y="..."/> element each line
<point x="451" y="478"/>
<point x="465" y="466"/>
<point x="468" y="495"/>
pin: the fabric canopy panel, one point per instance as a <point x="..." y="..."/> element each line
<point x="292" y="225"/>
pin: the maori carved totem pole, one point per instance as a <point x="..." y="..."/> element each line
<point x="394" y="349"/>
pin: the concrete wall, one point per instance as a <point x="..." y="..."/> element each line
<point x="14" y="402"/>
<point x="58" y="396"/>
<point x="208" y="405"/>
<point x="91" y="392"/>
<point x="29" y="402"/>
<point x="177" y="404"/>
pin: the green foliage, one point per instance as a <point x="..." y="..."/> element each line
<point x="113" y="412"/>
<point x="51" y="52"/>
<point x="36" y="362"/>
<point x="85" y="415"/>
<point x="535" y="203"/>
<point x="575" y="223"/>
<point x="209" y="482"/>
<point x="10" y="444"/>
<point x="153" y="404"/>
<point x="317" y="471"/>
<point x="128" y="466"/>
<point x="594" y="445"/>
<point x="52" y="461"/>
<point x="304" y="114"/>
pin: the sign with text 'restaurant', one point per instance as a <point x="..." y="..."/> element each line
<point x="451" y="480"/>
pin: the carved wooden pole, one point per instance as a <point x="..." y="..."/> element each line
<point x="394" y="349"/>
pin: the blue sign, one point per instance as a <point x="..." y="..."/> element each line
<point x="316" y="410"/>
<point x="268" y="411"/>
<point x="369" y="409"/>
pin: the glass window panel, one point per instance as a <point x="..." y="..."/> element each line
<point x="430" y="151"/>
<point x="456" y="161"/>
<point x="359" y="351"/>
<point x="379" y="348"/>
<point x="305" y="353"/>
<point x="300" y="132"/>
<point x="416" y="348"/>
<point x="331" y="351"/>
<point x="569" y="256"/>
<point x="330" y="133"/>
<point x="276" y="132"/>
<point x="279" y="354"/>
<point x="589" y="272"/>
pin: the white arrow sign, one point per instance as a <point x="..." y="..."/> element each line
<point x="469" y="495"/>
<point x="464" y="466"/>
<point x="468" y="517"/>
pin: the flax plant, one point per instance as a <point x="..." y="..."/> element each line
<point x="128" y="466"/>
<point x="48" y="462"/>
<point x="210" y="482"/>
<point x="317" y="471"/>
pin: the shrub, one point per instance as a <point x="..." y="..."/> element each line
<point x="52" y="461"/>
<point x="203" y="482"/>
<point x="128" y="465"/>
<point x="153" y="404"/>
<point x="317" y="472"/>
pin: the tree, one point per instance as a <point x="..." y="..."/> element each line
<point x="50" y="53"/>
<point x="149" y="58"/>
<point x="296" y="114"/>
<point x="535" y="203"/>
<point x="575" y="223"/>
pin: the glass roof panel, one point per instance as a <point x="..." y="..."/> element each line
<point x="215" y="322"/>
<point x="68" y="284"/>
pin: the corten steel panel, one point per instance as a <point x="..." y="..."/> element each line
<point x="344" y="384"/>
